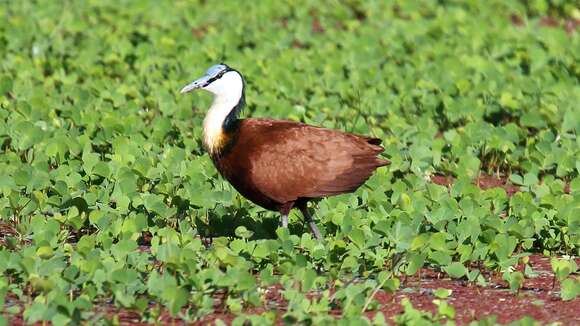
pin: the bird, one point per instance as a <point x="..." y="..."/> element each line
<point x="280" y="164"/>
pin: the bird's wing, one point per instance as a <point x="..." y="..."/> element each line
<point x="291" y="160"/>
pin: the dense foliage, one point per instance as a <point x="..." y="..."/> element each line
<point x="101" y="157"/>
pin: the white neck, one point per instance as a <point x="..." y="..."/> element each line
<point x="227" y="94"/>
<point x="214" y="121"/>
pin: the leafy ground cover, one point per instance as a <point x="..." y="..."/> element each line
<point x="110" y="208"/>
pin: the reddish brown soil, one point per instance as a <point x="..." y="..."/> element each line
<point x="569" y="24"/>
<point x="483" y="181"/>
<point x="486" y="182"/>
<point x="6" y="230"/>
<point x="442" y="180"/>
<point x="538" y="299"/>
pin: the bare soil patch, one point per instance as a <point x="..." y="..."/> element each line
<point x="539" y="298"/>
<point x="483" y="181"/>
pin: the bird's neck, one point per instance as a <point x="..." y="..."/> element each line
<point x="221" y="120"/>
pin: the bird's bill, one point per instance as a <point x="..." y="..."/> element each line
<point x="197" y="84"/>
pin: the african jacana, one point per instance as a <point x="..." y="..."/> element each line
<point x="280" y="164"/>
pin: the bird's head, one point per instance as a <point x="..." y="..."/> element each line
<point x="220" y="80"/>
<point x="227" y="86"/>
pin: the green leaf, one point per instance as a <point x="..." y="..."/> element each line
<point x="442" y="293"/>
<point x="570" y="289"/>
<point x="456" y="270"/>
<point x="242" y="232"/>
<point x="45" y="252"/>
<point x="5" y="84"/>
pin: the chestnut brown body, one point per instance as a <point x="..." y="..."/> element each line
<point x="278" y="164"/>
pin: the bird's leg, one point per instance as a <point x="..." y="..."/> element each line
<point x="310" y="222"/>
<point x="284" y="211"/>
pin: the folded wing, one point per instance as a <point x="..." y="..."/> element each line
<point x="290" y="160"/>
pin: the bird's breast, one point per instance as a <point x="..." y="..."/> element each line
<point x="237" y="168"/>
